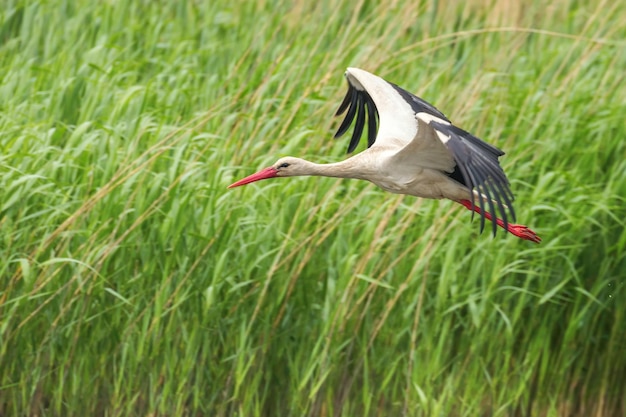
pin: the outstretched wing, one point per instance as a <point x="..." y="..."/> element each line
<point x="393" y="117"/>
<point x="479" y="168"/>
<point x="388" y="110"/>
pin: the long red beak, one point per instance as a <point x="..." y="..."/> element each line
<point x="263" y="174"/>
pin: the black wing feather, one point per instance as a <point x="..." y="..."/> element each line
<point x="478" y="163"/>
<point x="418" y="105"/>
<point x="358" y="126"/>
<point x="345" y="125"/>
<point x="372" y="122"/>
<point x="360" y="105"/>
<point x="346" y="101"/>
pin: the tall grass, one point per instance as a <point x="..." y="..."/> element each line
<point x="134" y="283"/>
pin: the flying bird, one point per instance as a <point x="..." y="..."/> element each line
<point x="413" y="149"/>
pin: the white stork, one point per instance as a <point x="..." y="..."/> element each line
<point x="413" y="149"/>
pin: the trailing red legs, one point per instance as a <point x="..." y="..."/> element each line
<point x="519" y="230"/>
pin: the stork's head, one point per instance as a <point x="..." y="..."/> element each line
<point x="284" y="167"/>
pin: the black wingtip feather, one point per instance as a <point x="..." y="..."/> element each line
<point x="489" y="180"/>
<point x="358" y="127"/>
<point x="478" y="163"/>
<point x="345" y="125"/>
<point x="346" y="100"/>
<point x="359" y="105"/>
<point x="372" y="122"/>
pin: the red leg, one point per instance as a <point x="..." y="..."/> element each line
<point x="518" y="230"/>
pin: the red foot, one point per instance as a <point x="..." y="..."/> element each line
<point x="518" y="230"/>
<point x="524" y="232"/>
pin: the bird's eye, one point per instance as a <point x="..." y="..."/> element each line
<point x="283" y="165"/>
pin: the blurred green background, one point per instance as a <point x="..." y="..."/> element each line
<point x="132" y="282"/>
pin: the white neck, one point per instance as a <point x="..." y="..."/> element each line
<point x="349" y="168"/>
